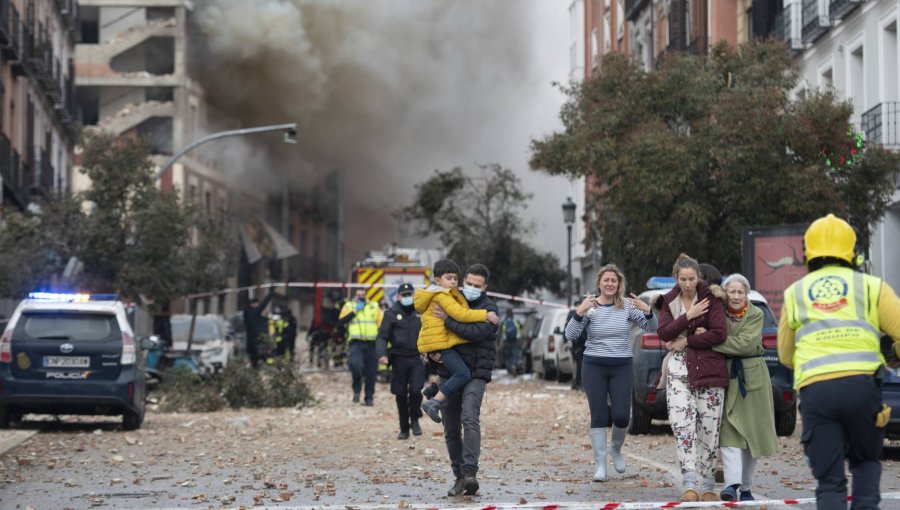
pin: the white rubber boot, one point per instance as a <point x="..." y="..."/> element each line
<point x="598" y="443"/>
<point x="615" y="448"/>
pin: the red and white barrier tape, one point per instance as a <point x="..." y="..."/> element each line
<point x="577" y="505"/>
<point x="348" y="285"/>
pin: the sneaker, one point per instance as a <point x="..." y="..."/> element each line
<point x="709" y="496"/>
<point x="432" y="408"/>
<point x="470" y="484"/>
<point x="430" y="391"/>
<point x="747" y="496"/>
<point x="403" y="435"/>
<point x="690" y="495"/>
<point x="729" y="493"/>
<point x="356" y="398"/>
<point x="416" y="429"/>
<point x="458" y="488"/>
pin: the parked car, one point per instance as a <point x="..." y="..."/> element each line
<point x="71" y="354"/>
<point x="890" y="387"/>
<point x="551" y="354"/>
<point x="211" y="344"/>
<point x="649" y="403"/>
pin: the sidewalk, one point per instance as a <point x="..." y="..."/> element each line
<point x="9" y="439"/>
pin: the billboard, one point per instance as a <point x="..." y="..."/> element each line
<point x="773" y="259"/>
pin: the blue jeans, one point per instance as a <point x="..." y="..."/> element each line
<point x="363" y="366"/>
<point x="510" y="356"/>
<point x="459" y="372"/>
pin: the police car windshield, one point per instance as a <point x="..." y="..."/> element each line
<point x="205" y="329"/>
<point x="79" y="326"/>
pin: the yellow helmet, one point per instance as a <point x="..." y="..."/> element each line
<point x="830" y="237"/>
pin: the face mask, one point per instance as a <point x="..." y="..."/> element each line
<point x="406" y="301"/>
<point x="471" y="293"/>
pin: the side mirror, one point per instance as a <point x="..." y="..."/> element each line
<point x="149" y="343"/>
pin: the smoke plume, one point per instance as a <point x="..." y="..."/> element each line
<point x="383" y="91"/>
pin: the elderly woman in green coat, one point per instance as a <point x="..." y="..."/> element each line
<point x="748" y="421"/>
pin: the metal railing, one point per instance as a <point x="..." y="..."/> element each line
<point x="838" y="9"/>
<point x="814" y="22"/>
<point x="881" y="125"/>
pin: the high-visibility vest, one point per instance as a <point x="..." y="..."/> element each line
<point x="365" y="325"/>
<point x="834" y="313"/>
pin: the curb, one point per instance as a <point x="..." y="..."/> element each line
<point x="10" y="439"/>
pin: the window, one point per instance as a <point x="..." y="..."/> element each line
<point x="192" y="192"/>
<point x="890" y="79"/>
<point x="607" y="32"/>
<point x="826" y="78"/>
<point x="595" y="47"/>
<point x="856" y="86"/>
<point x="620" y="19"/>
<point x="207" y="204"/>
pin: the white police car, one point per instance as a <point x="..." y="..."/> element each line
<point x="71" y="354"/>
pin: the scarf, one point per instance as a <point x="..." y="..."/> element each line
<point x="736" y="314"/>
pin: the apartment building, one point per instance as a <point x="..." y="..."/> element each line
<point x="38" y="110"/>
<point x="852" y="47"/>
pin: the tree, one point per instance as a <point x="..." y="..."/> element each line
<point x="685" y="156"/>
<point x="130" y="237"/>
<point x="477" y="218"/>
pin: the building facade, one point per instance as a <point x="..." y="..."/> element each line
<point x="38" y="109"/>
<point x="852" y="47"/>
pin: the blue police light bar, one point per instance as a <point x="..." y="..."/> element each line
<point x="58" y="297"/>
<point x="660" y="282"/>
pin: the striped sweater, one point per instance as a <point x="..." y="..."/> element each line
<point x="608" y="328"/>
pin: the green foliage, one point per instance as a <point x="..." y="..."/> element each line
<point x="130" y="237"/>
<point x="683" y="157"/>
<point x="236" y="386"/>
<point x="478" y="219"/>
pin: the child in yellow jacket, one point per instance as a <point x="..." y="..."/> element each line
<point x="434" y="337"/>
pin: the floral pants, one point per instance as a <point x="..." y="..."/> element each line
<point x="695" y="415"/>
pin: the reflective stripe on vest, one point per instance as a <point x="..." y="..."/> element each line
<point x="836" y="321"/>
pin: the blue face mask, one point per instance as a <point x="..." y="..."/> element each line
<point x="471" y="293"/>
<point x="406" y="301"/>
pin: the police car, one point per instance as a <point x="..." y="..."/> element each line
<point x="71" y="354"/>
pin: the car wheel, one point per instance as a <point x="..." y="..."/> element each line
<point x="132" y="420"/>
<point x="786" y="422"/>
<point x="549" y="373"/>
<point x="640" y="419"/>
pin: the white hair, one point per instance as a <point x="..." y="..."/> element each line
<point x="739" y="278"/>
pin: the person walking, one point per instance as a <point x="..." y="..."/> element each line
<point x="829" y="334"/>
<point x="256" y="325"/>
<point x="607" y="369"/>
<point x="362" y="318"/>
<point x="400" y="329"/>
<point x="692" y="322"/>
<point x="509" y="332"/>
<point x="748" y="420"/>
<point x="462" y="411"/>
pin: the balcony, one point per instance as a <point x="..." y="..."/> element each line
<point x="4" y="22"/>
<point x="839" y="9"/>
<point x="633" y="8"/>
<point x="787" y="28"/>
<point x="11" y="50"/>
<point x="699" y="46"/>
<point x="815" y="21"/>
<point x="881" y="125"/>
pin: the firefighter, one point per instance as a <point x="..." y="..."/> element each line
<point x="277" y="326"/>
<point x="829" y="335"/>
<point x="362" y="318"/>
<point x="397" y="345"/>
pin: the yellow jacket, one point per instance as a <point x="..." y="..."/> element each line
<point x="434" y="335"/>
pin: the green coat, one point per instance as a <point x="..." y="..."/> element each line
<point x="748" y="422"/>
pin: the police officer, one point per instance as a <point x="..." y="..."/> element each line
<point x="362" y="318"/>
<point x="400" y="328"/>
<point x="829" y="335"/>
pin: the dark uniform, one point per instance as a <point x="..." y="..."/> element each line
<point x="400" y="328"/>
<point x="256" y="325"/>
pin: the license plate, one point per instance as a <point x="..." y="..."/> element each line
<point x="67" y="361"/>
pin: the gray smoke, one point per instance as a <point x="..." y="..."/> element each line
<point x="383" y="91"/>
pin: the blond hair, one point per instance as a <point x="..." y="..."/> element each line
<point x="685" y="262"/>
<point x="619" y="299"/>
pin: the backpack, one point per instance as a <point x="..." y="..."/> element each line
<point x="512" y="332"/>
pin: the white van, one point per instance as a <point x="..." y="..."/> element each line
<point x="551" y="354"/>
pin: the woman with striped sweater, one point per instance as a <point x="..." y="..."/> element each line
<point x="606" y="365"/>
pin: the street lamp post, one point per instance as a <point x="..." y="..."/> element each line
<point x="290" y="136"/>
<point x="569" y="218"/>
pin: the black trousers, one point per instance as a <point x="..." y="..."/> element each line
<point x="407" y="380"/>
<point x="363" y="366"/>
<point x="839" y="421"/>
<point x="601" y="380"/>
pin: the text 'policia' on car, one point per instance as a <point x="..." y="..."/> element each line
<point x="70" y="353"/>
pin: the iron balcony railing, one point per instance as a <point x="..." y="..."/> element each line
<point x="881" y="125"/>
<point x="838" y="9"/>
<point x="815" y="23"/>
<point x="633" y="7"/>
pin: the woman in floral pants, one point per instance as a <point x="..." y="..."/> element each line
<point x="692" y="322"/>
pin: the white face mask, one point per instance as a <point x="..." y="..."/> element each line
<point x="471" y="293"/>
<point x="406" y="300"/>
